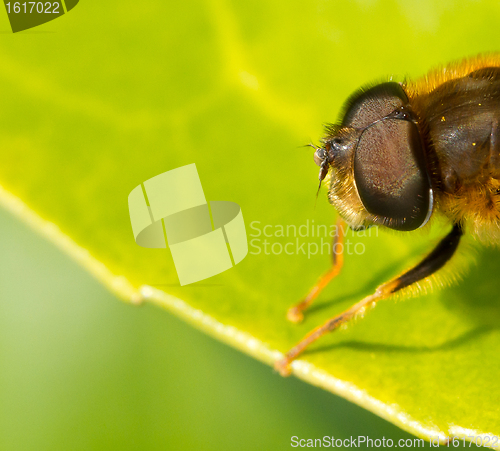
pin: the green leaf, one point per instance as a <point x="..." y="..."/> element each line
<point x="120" y="94"/>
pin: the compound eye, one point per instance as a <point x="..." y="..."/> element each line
<point x="390" y="174"/>
<point x="368" y="106"/>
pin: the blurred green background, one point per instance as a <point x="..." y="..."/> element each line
<point x="80" y="370"/>
<point x="114" y="93"/>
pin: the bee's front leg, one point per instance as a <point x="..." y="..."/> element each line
<point x="429" y="265"/>
<point x="295" y="314"/>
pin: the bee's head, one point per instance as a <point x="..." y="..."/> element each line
<point x="376" y="155"/>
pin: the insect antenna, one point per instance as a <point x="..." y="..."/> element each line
<point x="311" y="145"/>
<point x="323" y="171"/>
<point x="323" y="167"/>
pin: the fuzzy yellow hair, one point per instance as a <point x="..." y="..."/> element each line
<point x="476" y="207"/>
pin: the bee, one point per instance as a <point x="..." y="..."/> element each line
<point x="400" y="154"/>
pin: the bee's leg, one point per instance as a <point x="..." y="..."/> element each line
<point x="295" y="313"/>
<point x="429" y="265"/>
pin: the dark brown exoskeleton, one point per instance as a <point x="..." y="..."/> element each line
<point x="402" y="152"/>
